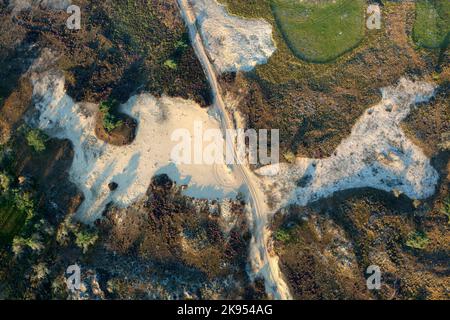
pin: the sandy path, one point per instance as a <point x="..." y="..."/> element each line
<point x="263" y="263"/>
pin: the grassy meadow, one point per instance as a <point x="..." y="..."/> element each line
<point x="432" y="25"/>
<point x="320" y="31"/>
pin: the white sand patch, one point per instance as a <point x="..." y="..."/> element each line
<point x="232" y="43"/>
<point x="96" y="163"/>
<point x="377" y="154"/>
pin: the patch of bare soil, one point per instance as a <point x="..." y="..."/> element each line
<point x="399" y="29"/>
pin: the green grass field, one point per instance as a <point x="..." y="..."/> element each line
<point x="11" y="221"/>
<point x="320" y="31"/>
<point x="432" y="25"/>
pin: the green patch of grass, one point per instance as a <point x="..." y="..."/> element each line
<point x="16" y="209"/>
<point x="417" y="240"/>
<point x="432" y="25"/>
<point x="11" y="221"/>
<point x="286" y="67"/>
<point x="131" y="25"/>
<point x="142" y="31"/>
<point x="320" y="31"/>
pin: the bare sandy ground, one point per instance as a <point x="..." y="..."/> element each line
<point x="377" y="154"/>
<point x="97" y="164"/>
<point x="232" y="43"/>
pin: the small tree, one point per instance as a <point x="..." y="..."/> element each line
<point x="5" y="182"/>
<point x="417" y="240"/>
<point x="24" y="203"/>
<point x="170" y="64"/>
<point x="110" y="122"/>
<point x="40" y="272"/>
<point x="36" y="139"/>
<point x="20" y="243"/>
<point x="283" y="235"/>
<point x="85" y="239"/>
<point x="63" y="231"/>
<point x="181" y="45"/>
<point x="290" y="157"/>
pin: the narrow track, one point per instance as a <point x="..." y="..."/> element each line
<point x="263" y="263"/>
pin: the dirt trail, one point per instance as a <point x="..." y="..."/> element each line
<point x="263" y="263"/>
<point x="397" y="30"/>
